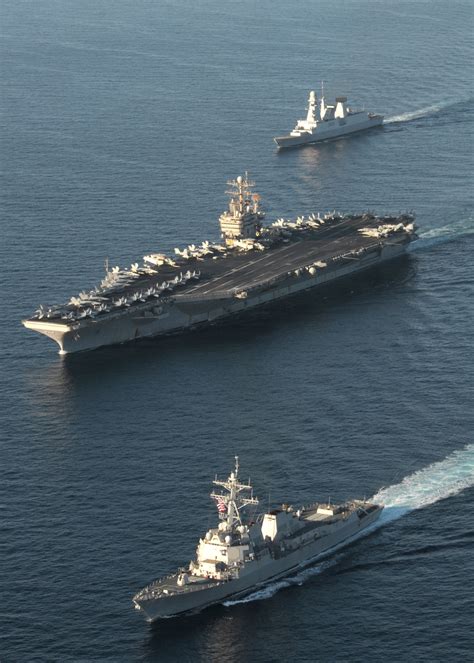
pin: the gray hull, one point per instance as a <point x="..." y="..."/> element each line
<point x="263" y="571"/>
<point x="181" y="313"/>
<point x="331" y="130"/>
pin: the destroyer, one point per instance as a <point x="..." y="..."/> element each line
<point x="324" y="122"/>
<point x="255" y="264"/>
<point x="240" y="554"/>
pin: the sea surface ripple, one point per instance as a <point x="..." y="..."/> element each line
<point x="120" y="124"/>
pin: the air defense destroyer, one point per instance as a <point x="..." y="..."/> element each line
<point x="327" y="121"/>
<point x="253" y="265"/>
<point x="243" y="553"/>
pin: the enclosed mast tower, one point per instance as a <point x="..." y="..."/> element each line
<point x="243" y="220"/>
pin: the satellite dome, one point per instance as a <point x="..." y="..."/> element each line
<point x="240" y="179"/>
<point x="228" y="539"/>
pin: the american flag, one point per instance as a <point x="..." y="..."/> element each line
<point x="221" y="505"/>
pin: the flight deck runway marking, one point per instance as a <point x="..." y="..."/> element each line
<point x="258" y="271"/>
<point x="211" y="286"/>
<point x="293" y="262"/>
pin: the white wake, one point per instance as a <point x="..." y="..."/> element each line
<point x="443" y="234"/>
<point x="272" y="588"/>
<point x="423" y="112"/>
<point x="417" y="491"/>
<point x="432" y="484"/>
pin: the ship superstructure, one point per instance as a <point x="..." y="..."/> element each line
<point x="244" y="552"/>
<point x="243" y="220"/>
<point x="327" y="121"/>
<point x="253" y="265"/>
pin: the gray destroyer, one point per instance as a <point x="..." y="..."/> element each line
<point x="254" y="265"/>
<point x="239" y="555"/>
<point x="327" y="121"/>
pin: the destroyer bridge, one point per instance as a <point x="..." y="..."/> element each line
<point x="254" y="264"/>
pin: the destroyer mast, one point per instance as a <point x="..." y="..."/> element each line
<point x="230" y="504"/>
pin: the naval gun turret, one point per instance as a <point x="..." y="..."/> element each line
<point x="243" y="220"/>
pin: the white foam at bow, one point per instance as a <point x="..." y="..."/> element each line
<point x="270" y="590"/>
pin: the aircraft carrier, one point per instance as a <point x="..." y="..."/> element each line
<point x="253" y="265"/>
<point x="240" y="555"/>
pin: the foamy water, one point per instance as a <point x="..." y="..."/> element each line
<point x="425" y="111"/>
<point x="436" y="482"/>
<point x="119" y="136"/>
<point x="443" y="234"/>
<point x="271" y="589"/>
<point x="429" y="485"/>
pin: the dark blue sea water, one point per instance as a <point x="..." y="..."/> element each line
<point x="121" y="123"/>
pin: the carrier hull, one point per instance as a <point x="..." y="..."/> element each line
<point x="200" y="285"/>
<point x="184" y="312"/>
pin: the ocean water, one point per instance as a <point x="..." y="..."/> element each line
<point x="120" y="124"/>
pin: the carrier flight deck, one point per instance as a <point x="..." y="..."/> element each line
<point x="254" y="264"/>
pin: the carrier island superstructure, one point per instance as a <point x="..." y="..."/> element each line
<point x="253" y="265"/>
<point x="241" y="554"/>
<point x="327" y="121"/>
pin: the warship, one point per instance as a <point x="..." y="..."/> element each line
<point x="253" y="265"/>
<point x="243" y="553"/>
<point x="325" y="122"/>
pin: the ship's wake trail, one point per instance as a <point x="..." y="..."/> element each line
<point x="443" y="234"/>
<point x="417" y="491"/>
<point x="427" y="486"/>
<point x="425" y="112"/>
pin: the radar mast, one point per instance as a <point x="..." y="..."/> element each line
<point x="233" y="500"/>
